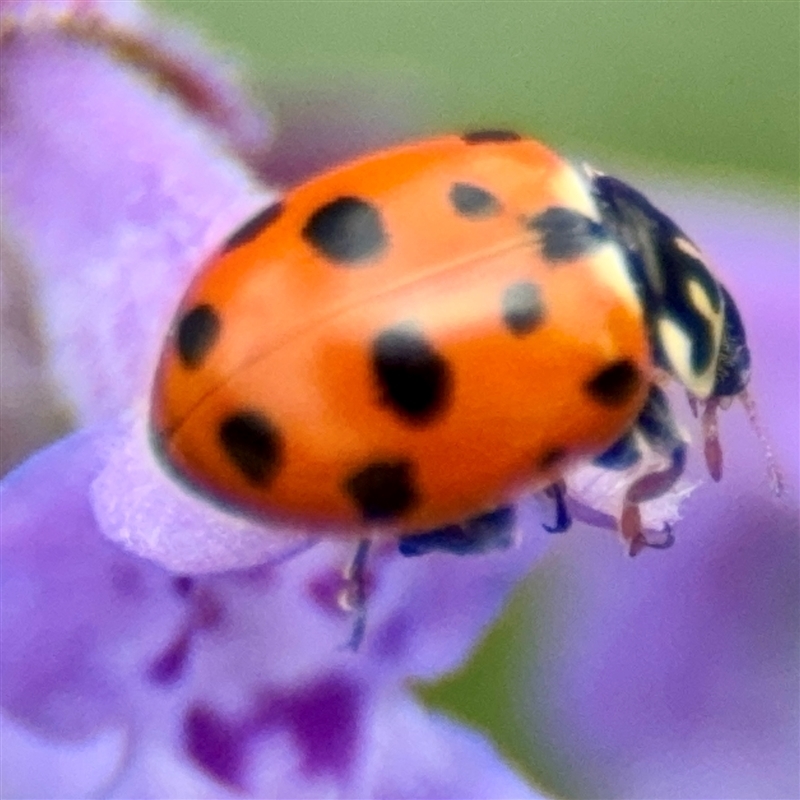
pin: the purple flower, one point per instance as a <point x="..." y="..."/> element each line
<point x="679" y="678"/>
<point x="153" y="646"/>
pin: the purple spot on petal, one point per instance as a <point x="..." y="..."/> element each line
<point x="183" y="585"/>
<point x="391" y="640"/>
<point x="324" y="719"/>
<point x="127" y="580"/>
<point x="325" y="722"/>
<point x="207" y="611"/>
<point x="324" y="589"/>
<point x="215" y="744"/>
<point x="170" y="665"/>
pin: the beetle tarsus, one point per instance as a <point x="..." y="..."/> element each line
<point x="557" y="492"/>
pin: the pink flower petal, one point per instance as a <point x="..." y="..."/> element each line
<point x="116" y="194"/>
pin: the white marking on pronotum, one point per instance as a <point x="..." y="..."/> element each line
<point x="687" y="247"/>
<point x="678" y="346"/>
<point x="699" y="297"/>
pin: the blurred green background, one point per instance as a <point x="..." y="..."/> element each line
<point x="699" y="90"/>
<point x="709" y="86"/>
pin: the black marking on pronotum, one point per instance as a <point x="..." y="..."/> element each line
<point x="733" y="366"/>
<point x="348" y="230"/>
<point x="484" y="136"/>
<point x="383" y="490"/>
<point x="253" y="444"/>
<point x="197" y="332"/>
<point x="663" y="269"/>
<point x="472" y="201"/>
<point x="551" y="457"/>
<point x="253" y="227"/>
<point x="566" y="234"/>
<point x="680" y="271"/>
<point x="614" y="384"/>
<point x="523" y="309"/>
<point x="414" y="380"/>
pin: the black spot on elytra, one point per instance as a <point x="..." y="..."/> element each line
<point x="523" y="309"/>
<point x="415" y="381"/>
<point x="382" y="490"/>
<point x="551" y="457"/>
<point x="253" y="444"/>
<point x="615" y="384"/>
<point x="566" y="234"/>
<point x="472" y="201"/>
<point x="198" y="330"/>
<point x="347" y="230"/>
<point x="253" y="227"/>
<point x="482" y="137"/>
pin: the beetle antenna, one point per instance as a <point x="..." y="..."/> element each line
<point x="774" y="472"/>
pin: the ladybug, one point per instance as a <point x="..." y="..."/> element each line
<point x="406" y="343"/>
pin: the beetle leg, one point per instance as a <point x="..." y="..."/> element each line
<point x="493" y="530"/>
<point x="354" y="595"/>
<point x="712" y="450"/>
<point x="649" y="487"/>
<point x="657" y="428"/>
